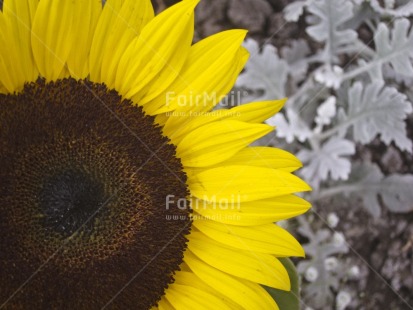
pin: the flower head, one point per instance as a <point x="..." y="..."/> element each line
<point x="119" y="187"/>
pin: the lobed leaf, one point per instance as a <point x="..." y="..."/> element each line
<point x="264" y="71"/>
<point x="331" y="16"/>
<point x="376" y="109"/>
<point x="329" y="160"/>
<point x="395" y="46"/>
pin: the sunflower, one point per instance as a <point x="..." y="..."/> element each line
<point x="120" y="187"/>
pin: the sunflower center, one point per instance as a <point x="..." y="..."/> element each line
<point x="70" y="200"/>
<point x="85" y="204"/>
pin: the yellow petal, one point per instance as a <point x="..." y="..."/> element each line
<point x="218" y="141"/>
<point x="255" y="112"/>
<point x="262" y="156"/>
<point x="164" y="42"/>
<point x="86" y="16"/>
<point x="214" y="90"/>
<point x="248" y="295"/>
<point x="205" y="60"/>
<point x="10" y="79"/>
<point x="103" y="28"/>
<point x="19" y="16"/>
<point x="246" y="183"/>
<point x="217" y="88"/>
<point x="3" y="89"/>
<point x="252" y="213"/>
<point x="164" y="304"/>
<point x="52" y="36"/>
<point x="256" y="267"/>
<point x="269" y="238"/>
<point x="186" y="277"/>
<point x="189" y="297"/>
<point x="127" y="25"/>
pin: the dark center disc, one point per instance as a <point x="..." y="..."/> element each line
<point x="84" y="182"/>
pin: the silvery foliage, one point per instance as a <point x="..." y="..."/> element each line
<point x="260" y="71"/>
<point x="329" y="272"/>
<point x="348" y="92"/>
<point x="344" y="94"/>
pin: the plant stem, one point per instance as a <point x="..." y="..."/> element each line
<point x="332" y="191"/>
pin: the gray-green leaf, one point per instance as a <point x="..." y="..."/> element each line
<point x="378" y="110"/>
<point x="287" y="300"/>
